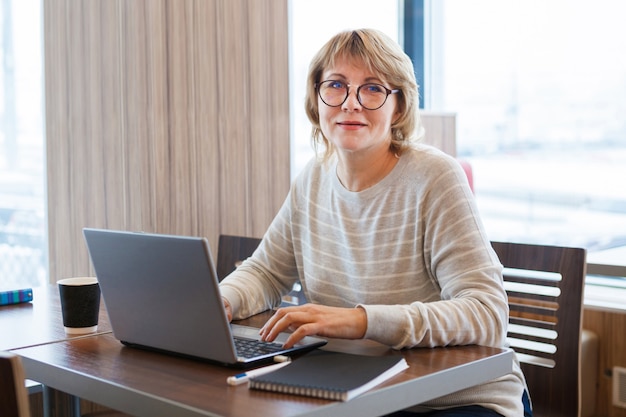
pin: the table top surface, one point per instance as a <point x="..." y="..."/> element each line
<point x="145" y="383"/>
<point x="141" y="382"/>
<point x="99" y="368"/>
<point x="39" y="321"/>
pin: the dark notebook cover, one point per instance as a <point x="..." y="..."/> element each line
<point x="331" y="375"/>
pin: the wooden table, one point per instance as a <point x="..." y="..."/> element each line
<point x="143" y="383"/>
<point x="99" y="368"/>
<point x="39" y="321"/>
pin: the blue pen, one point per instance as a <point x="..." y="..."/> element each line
<point x="245" y="376"/>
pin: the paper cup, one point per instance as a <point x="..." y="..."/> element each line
<point x="80" y="304"/>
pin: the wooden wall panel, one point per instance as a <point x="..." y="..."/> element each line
<point x="440" y="130"/>
<point x="610" y="327"/>
<point x="168" y="116"/>
<point x="266" y="98"/>
<point x="234" y="110"/>
<point x="207" y="121"/>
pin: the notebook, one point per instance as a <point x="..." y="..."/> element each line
<point x="161" y="292"/>
<point x="331" y="375"/>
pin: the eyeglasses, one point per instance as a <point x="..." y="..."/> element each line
<point x="372" y="96"/>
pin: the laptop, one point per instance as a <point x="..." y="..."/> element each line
<point x="161" y="293"/>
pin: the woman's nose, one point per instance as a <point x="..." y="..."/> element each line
<point x="352" y="101"/>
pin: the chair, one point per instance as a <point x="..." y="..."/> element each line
<point x="545" y="289"/>
<point x="469" y="172"/>
<point x="231" y="251"/>
<point x="13" y="392"/>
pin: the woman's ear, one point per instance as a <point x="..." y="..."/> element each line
<point x="397" y="115"/>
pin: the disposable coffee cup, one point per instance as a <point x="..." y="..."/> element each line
<point x="80" y="304"/>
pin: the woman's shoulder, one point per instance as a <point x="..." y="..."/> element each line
<point x="314" y="172"/>
<point x="433" y="165"/>
<point x="428" y="157"/>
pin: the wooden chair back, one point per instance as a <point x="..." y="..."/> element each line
<point x="231" y="251"/>
<point x="13" y="392"/>
<point x="545" y="289"/>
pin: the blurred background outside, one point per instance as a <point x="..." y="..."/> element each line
<point x="538" y="89"/>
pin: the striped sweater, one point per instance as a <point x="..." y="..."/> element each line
<point x="410" y="250"/>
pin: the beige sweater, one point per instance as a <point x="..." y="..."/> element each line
<point x="410" y="250"/>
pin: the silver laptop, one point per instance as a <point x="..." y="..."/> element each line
<point x="161" y="293"/>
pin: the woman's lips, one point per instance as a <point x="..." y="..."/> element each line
<point x="350" y="124"/>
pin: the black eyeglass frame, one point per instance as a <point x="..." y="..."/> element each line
<point x="358" y="93"/>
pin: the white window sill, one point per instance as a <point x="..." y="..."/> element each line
<point x="605" y="286"/>
<point x="603" y="297"/>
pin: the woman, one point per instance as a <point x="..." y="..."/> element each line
<point x="382" y="233"/>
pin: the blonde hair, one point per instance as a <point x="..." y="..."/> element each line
<point x="382" y="56"/>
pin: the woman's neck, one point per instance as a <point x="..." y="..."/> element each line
<point x="359" y="173"/>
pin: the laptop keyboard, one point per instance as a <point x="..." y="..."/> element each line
<point x="248" y="348"/>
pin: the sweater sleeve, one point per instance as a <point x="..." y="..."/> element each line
<point x="472" y="306"/>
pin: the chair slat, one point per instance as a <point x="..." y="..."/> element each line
<point x="532" y="298"/>
<point x="537" y="310"/>
<point x="532" y="322"/>
<point x="531" y="280"/>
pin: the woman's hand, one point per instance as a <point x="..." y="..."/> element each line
<point x="315" y="319"/>
<point x="228" y="308"/>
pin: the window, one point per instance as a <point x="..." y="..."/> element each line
<point x="23" y="254"/>
<point x="539" y="90"/>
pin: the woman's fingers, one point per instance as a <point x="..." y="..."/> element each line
<point x="312" y="319"/>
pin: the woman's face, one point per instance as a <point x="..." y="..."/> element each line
<point x="350" y="127"/>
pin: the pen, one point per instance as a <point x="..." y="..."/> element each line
<point x="245" y="376"/>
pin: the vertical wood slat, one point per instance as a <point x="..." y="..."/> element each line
<point x="180" y="82"/>
<point x="136" y="174"/>
<point x="206" y="103"/>
<point x="161" y="116"/>
<point x="234" y="112"/>
<point x="269" y="94"/>
<point x="57" y="179"/>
